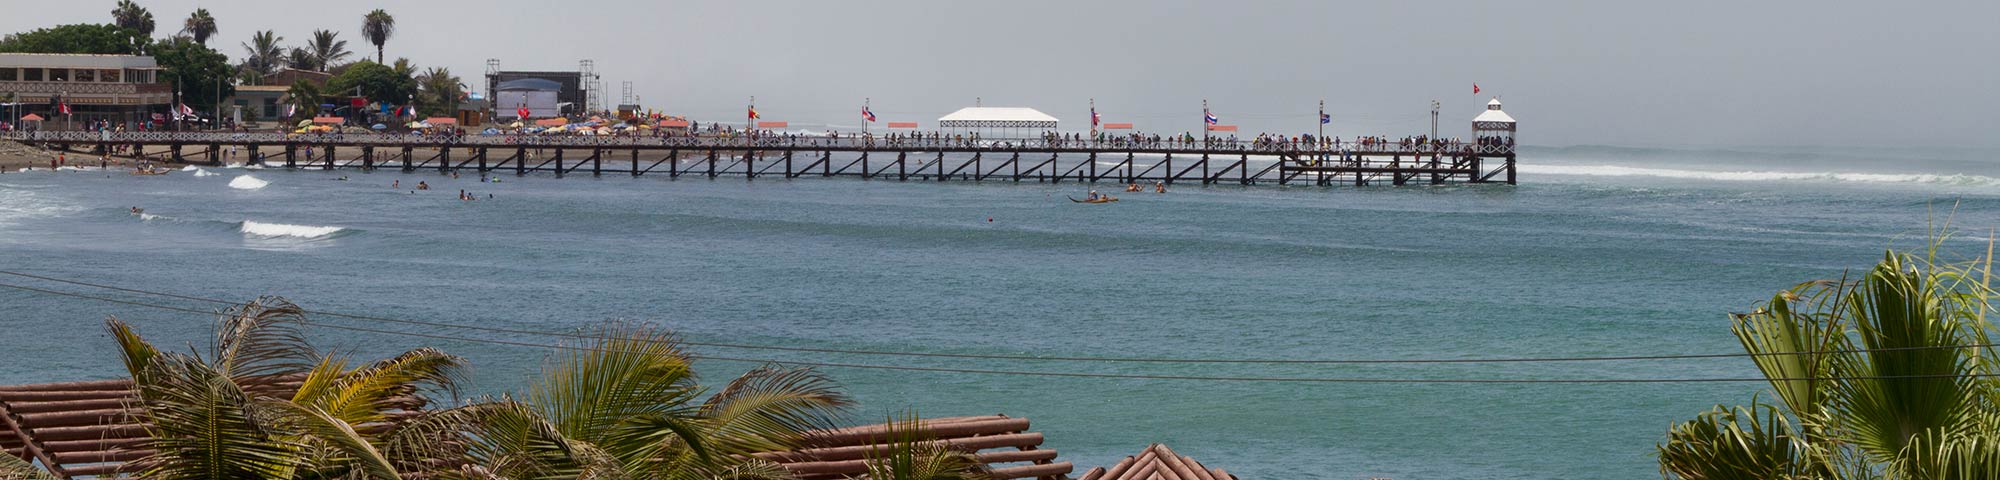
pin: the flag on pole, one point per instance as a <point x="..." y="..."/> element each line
<point x="1094" y="117"/>
<point x="63" y="107"/>
<point x="1209" y="117"/>
<point x="865" y="114"/>
<point x="291" y="110"/>
<point x="410" y="110"/>
<point x="523" y="112"/>
<point x="753" y="113"/>
<point x="184" y="110"/>
<point x="1475" y="88"/>
<point x="1324" y="118"/>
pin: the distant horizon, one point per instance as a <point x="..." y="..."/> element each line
<point x="1574" y="73"/>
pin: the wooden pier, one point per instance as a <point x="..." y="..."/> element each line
<point x="1016" y="160"/>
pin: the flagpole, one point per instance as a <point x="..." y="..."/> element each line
<point x="1322" y="119"/>
<point x="1204" y="121"/>
<point x="865" y="103"/>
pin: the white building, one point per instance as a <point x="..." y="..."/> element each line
<point x="119" y="88"/>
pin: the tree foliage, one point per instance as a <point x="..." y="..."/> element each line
<point x="133" y="17"/>
<point x="377" y="82"/>
<point x="325" y="51"/>
<point x="200" y="25"/>
<point x="82" y="38"/>
<point x="201" y="74"/>
<point x="1884" y="375"/>
<point x="377" y="27"/>
<point x="438" y="92"/>
<point x="262" y="56"/>
<point x="306" y="95"/>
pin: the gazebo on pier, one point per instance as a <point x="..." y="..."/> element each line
<point x="1493" y="127"/>
<point x="1009" y="122"/>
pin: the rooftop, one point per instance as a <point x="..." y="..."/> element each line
<point x="62" y="60"/>
<point x="997" y="114"/>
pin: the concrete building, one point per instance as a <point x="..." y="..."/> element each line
<point x="120" y="88"/>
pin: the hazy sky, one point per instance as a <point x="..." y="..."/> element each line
<point x="1583" y="72"/>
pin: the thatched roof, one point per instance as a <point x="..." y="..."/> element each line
<point x="1157" y="462"/>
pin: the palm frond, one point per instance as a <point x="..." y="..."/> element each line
<point x="203" y="425"/>
<point x="768" y="409"/>
<point x="911" y="454"/>
<point x="322" y="426"/>
<point x="1904" y="319"/>
<point x="261" y="338"/>
<point x="366" y="394"/>
<point x="14" y="468"/>
<point x="610" y="390"/>
<point x="1748" y="443"/>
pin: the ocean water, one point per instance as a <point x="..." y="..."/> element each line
<point x="1600" y="252"/>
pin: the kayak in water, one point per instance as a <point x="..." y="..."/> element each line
<point x="1102" y="199"/>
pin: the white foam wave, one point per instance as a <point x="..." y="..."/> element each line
<point x="201" y="173"/>
<point x="283" y="230"/>
<point x="246" y="182"/>
<point x="190" y="168"/>
<point x="233" y="165"/>
<point x="147" y="217"/>
<point x="1763" y="176"/>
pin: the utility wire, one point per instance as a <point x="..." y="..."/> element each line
<point x="1057" y="374"/>
<point x="1273" y="361"/>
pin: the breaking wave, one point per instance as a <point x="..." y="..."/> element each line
<point x="1765" y="176"/>
<point x="246" y="182"/>
<point x="261" y="229"/>
<point x="202" y="173"/>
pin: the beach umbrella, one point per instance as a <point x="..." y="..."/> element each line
<point x="379" y="126"/>
<point x="514" y="125"/>
<point x="490" y="131"/>
<point x="305" y="123"/>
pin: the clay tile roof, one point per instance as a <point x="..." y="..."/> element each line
<point x="1000" y="442"/>
<point x="89" y="429"/>
<point x="1157" y="462"/>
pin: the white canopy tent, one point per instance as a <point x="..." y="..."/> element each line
<point x="1013" y="121"/>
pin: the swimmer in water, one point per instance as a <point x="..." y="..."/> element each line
<point x="138" y="211"/>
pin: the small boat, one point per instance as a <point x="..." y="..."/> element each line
<point x="151" y="171"/>
<point x="1104" y="199"/>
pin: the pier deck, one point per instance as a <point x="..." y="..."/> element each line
<point x="1034" y="159"/>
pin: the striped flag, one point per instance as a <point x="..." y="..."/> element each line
<point x="1209" y="117"/>
<point x="865" y="114"/>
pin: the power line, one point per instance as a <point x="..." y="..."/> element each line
<point x="1272" y="361"/>
<point x="1069" y="375"/>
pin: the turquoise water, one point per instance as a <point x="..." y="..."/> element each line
<point x="1601" y="252"/>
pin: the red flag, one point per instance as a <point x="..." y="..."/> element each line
<point x="523" y="112"/>
<point x="1475" y="88"/>
<point x="65" y="108"/>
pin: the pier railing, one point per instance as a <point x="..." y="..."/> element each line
<point x="845" y="143"/>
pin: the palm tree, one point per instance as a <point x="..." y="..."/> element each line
<point x="1883" y="375"/>
<point x="306" y="96"/>
<point x="200" y="25"/>
<point x="262" y="55"/>
<point x="909" y="455"/>
<point x="625" y="402"/>
<point x="377" y="27"/>
<point x="220" y="415"/>
<point x="440" y="92"/>
<point x="326" y="50"/>
<point x="131" y="16"/>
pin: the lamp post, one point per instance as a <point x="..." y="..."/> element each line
<point x="1434" y="119"/>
